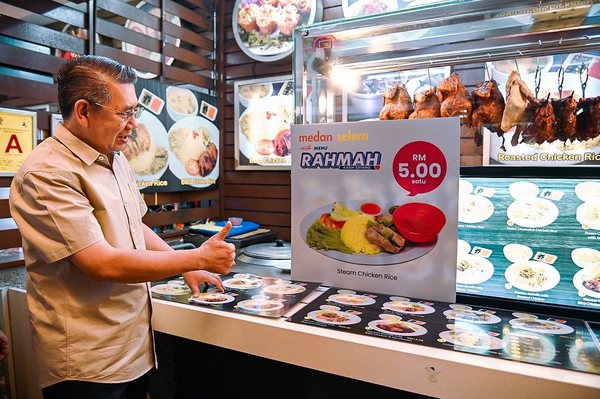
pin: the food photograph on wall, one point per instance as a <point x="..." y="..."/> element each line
<point x="264" y="111"/>
<point x="175" y="145"/>
<point x="264" y="29"/>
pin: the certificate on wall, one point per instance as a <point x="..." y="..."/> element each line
<point x="264" y="110"/>
<point x="375" y="205"/>
<point x="17" y="138"/>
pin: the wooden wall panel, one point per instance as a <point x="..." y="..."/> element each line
<point x="33" y="33"/>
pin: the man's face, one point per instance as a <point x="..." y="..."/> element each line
<point x="110" y="132"/>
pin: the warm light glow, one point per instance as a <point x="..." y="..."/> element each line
<point x="344" y="78"/>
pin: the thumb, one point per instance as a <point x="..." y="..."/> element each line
<point x="223" y="232"/>
<point x="195" y="290"/>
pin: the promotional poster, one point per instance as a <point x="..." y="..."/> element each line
<point x="374" y="205"/>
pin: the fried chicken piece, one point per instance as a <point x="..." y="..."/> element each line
<point x="564" y="110"/>
<point x="515" y="109"/>
<point x="455" y="99"/>
<point x="427" y="105"/>
<point x="544" y="126"/>
<point x="397" y="103"/>
<point x="588" y="118"/>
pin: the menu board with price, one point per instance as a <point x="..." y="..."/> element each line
<point x="374" y="205"/>
<point x="534" y="240"/>
<point x="525" y="337"/>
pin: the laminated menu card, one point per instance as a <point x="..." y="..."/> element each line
<point x="244" y="293"/>
<point x="374" y="205"/>
<point x="531" y="338"/>
<point x="530" y="239"/>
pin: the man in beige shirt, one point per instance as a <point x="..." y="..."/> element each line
<point x="87" y="252"/>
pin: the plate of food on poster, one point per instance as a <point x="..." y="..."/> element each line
<point x="333" y="315"/>
<point x="264" y="131"/>
<point x="264" y="29"/>
<point x="395" y="326"/>
<point x="193" y="151"/>
<point x="363" y="232"/>
<point x="147" y="149"/>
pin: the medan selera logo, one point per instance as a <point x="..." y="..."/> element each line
<point x="365" y="160"/>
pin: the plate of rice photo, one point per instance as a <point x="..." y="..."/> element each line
<point x="193" y="151"/>
<point x="532" y="276"/>
<point x="147" y="149"/>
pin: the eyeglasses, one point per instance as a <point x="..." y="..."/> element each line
<point x="125" y="115"/>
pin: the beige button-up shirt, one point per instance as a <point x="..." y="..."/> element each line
<point x="64" y="198"/>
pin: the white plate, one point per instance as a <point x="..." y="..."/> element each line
<point x="175" y="164"/>
<point x="528" y="347"/>
<point x="285" y="289"/>
<point x="242" y="283"/>
<point x="588" y="191"/>
<point x="352" y="299"/>
<point x="588" y="214"/>
<point x="416" y="329"/>
<point x="542" y="326"/>
<point x="532" y="212"/>
<point x="270" y="126"/>
<point x="472" y="316"/>
<point x="463" y="247"/>
<point x="269" y="53"/>
<point x="413" y="307"/>
<point x="474" y="208"/>
<point x="523" y="189"/>
<point x="158" y="133"/>
<point x="585" y="274"/>
<point x="585" y="257"/>
<point x="480" y="270"/>
<point x="137" y="27"/>
<point x="550" y="276"/>
<point x="472" y="338"/>
<point x="260" y="305"/>
<point x="212" y="298"/>
<point x="465" y="187"/>
<point x="517" y="252"/>
<point x="171" y="289"/>
<point x="345" y="318"/>
<point x="408" y="253"/>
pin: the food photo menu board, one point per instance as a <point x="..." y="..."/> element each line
<point x="530" y="239"/>
<point x="530" y="338"/>
<point x="264" y="110"/>
<point x="374" y="205"/>
<point x="244" y="293"/>
<point x="176" y="144"/>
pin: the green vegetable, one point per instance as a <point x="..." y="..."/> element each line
<point x="321" y="237"/>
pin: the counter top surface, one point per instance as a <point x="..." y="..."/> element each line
<point x="425" y="370"/>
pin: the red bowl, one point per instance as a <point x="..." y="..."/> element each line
<point x="418" y="221"/>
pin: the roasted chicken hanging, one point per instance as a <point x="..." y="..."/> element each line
<point x="488" y="109"/>
<point x="455" y="99"/>
<point x="588" y="118"/>
<point x="543" y="126"/>
<point x="397" y="103"/>
<point x="564" y="110"/>
<point x="427" y="105"/>
<point x="517" y="95"/>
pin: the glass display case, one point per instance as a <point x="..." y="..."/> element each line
<point x="342" y="69"/>
<point x="530" y="73"/>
